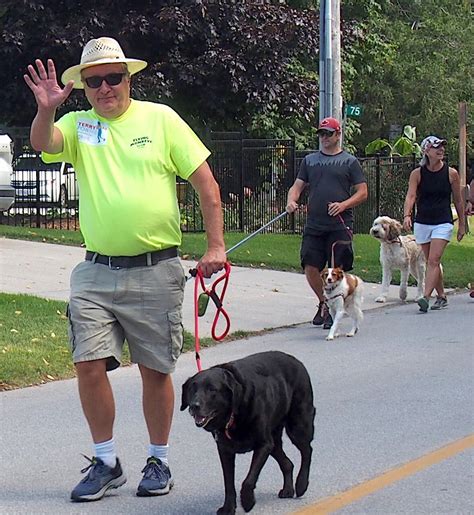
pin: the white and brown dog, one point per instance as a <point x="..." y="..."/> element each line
<point x="343" y="294"/>
<point x="398" y="252"/>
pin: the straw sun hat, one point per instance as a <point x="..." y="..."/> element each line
<point x="100" y="51"/>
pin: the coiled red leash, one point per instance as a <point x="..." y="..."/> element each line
<point x="201" y="300"/>
<point x="200" y="304"/>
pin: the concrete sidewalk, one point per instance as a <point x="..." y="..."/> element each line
<point x="256" y="299"/>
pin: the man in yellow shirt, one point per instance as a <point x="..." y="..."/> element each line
<point x="127" y="155"/>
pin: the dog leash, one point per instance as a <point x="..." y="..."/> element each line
<point x="342" y="242"/>
<point x="201" y="302"/>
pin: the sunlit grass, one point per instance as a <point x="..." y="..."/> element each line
<point x="34" y="342"/>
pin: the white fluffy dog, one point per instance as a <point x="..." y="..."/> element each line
<point x="343" y="295"/>
<point x="398" y="252"/>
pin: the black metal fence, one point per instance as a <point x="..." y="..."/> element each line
<point x="254" y="177"/>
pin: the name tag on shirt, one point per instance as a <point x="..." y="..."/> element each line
<point x="92" y="132"/>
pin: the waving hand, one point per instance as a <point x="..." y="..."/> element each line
<point x="44" y="85"/>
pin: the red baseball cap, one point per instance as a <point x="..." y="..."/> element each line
<point x="329" y="124"/>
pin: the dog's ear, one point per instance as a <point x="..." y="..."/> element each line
<point x="184" y="395"/>
<point x="394" y="229"/>
<point x="236" y="388"/>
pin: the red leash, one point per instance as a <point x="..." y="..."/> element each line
<point x="200" y="305"/>
<point x="201" y="301"/>
<point x="343" y="242"/>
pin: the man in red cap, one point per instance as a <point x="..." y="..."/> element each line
<point x="336" y="185"/>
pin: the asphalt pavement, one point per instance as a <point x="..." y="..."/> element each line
<point x="399" y="390"/>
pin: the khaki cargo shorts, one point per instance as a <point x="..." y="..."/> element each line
<point x="141" y="305"/>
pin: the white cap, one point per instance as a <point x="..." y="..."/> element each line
<point x="432" y="141"/>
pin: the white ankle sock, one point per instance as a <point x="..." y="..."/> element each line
<point x="159" y="451"/>
<point x="106" y="452"/>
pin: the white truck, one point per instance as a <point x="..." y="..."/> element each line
<point x="7" y="192"/>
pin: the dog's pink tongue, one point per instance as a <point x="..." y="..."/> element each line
<point x="199" y="420"/>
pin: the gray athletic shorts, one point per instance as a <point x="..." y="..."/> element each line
<point x="141" y="305"/>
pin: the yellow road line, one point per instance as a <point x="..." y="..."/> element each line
<point x="338" y="501"/>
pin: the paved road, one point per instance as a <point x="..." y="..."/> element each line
<point x="401" y="389"/>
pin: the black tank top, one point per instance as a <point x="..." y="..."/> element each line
<point x="433" y="204"/>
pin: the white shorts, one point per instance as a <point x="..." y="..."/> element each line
<point x="424" y="233"/>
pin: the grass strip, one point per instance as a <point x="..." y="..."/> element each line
<point x="34" y="342"/>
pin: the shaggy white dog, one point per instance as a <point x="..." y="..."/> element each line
<point x="398" y="252"/>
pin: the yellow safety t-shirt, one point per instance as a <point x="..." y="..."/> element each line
<point x="126" y="170"/>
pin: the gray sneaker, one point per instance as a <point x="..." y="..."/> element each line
<point x="440" y="303"/>
<point x="156" y="480"/>
<point x="99" y="479"/>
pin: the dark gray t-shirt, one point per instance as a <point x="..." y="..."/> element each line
<point x="330" y="179"/>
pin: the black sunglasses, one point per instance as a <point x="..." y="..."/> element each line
<point x="323" y="132"/>
<point x="112" y="79"/>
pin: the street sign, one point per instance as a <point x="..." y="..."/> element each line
<point x="354" y="111"/>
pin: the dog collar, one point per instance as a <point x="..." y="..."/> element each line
<point x="396" y="240"/>
<point x="229" y="425"/>
<point x="335" y="296"/>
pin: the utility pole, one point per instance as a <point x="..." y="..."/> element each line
<point x="336" y="56"/>
<point x="325" y="59"/>
<point x="330" y="100"/>
<point x="462" y="110"/>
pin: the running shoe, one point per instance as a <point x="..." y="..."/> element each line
<point x="319" y="317"/>
<point x="424" y="304"/>
<point x="327" y="321"/>
<point x="99" y="479"/>
<point x="156" y="480"/>
<point x="440" y="303"/>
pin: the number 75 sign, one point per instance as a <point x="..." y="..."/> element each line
<point x="354" y="111"/>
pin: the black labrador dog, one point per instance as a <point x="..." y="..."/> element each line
<point x="246" y="404"/>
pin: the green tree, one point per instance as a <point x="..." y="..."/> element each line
<point x="222" y="65"/>
<point x="420" y="70"/>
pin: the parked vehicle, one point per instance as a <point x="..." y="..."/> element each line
<point x="33" y="181"/>
<point x="7" y="193"/>
<point x="69" y="191"/>
<point x="36" y="182"/>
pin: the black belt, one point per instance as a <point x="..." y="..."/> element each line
<point x="147" y="259"/>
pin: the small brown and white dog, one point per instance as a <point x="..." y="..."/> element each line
<point x="398" y="252"/>
<point x="343" y="294"/>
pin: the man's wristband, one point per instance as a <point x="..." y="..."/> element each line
<point x="407" y="216"/>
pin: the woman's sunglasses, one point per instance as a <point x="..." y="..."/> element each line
<point x="112" y="79"/>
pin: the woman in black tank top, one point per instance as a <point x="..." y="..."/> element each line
<point x="430" y="187"/>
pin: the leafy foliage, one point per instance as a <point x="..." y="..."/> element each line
<point x="405" y="145"/>
<point x="248" y="65"/>
<point x="415" y="67"/>
<point x="221" y="64"/>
